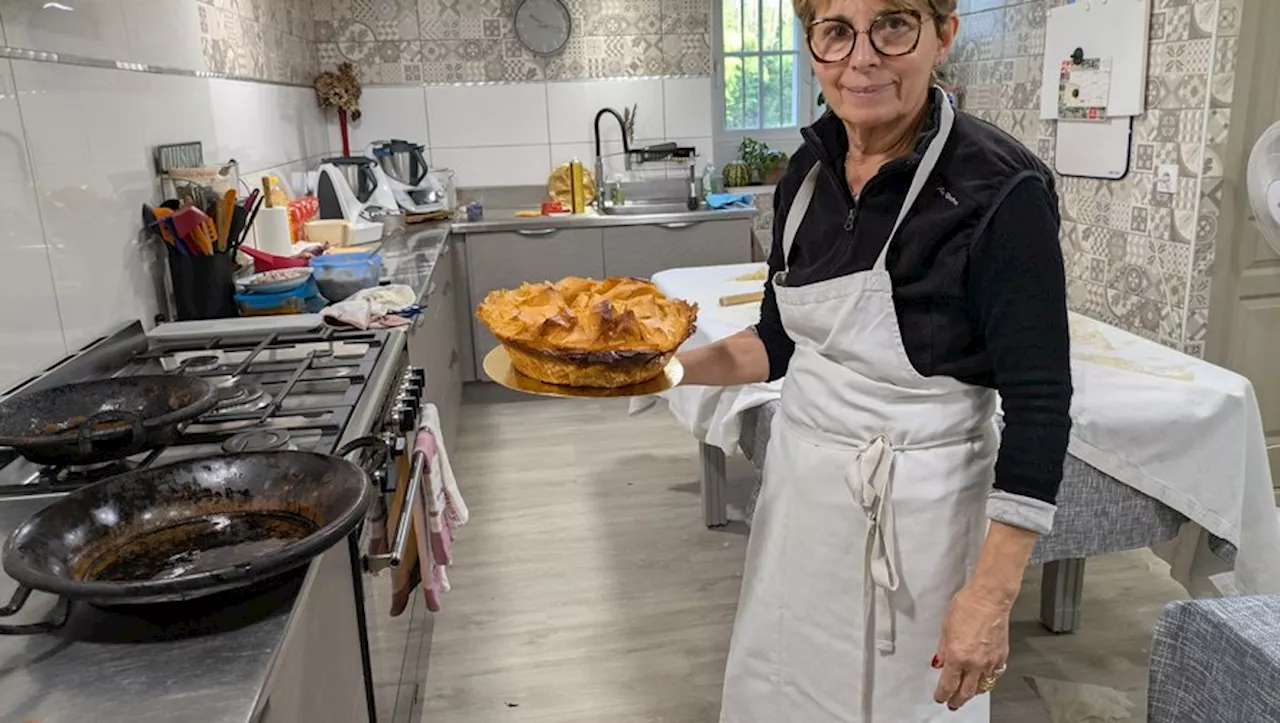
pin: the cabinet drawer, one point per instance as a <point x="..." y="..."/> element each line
<point x="506" y="260"/>
<point x="642" y="251"/>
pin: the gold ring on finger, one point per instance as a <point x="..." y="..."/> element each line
<point x="987" y="683"/>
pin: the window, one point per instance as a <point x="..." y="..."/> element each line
<point x="764" y="86"/>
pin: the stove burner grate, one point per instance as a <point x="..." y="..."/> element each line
<point x="85" y="474"/>
<point x="238" y="396"/>
<point x="259" y="440"/>
<point x="199" y="364"/>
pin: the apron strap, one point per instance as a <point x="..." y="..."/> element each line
<point x="927" y="164"/>
<point x="795" y="214"/>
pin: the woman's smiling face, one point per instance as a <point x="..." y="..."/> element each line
<point x="869" y="88"/>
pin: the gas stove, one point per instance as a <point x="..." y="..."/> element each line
<point x="277" y="390"/>
<point x="308" y="390"/>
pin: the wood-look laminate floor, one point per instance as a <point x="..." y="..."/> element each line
<point x="586" y="588"/>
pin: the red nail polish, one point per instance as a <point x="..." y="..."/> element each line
<point x="935" y="663"/>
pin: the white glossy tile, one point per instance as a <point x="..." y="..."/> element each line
<point x="95" y="28"/>
<point x="164" y="32"/>
<point x="496" y="166"/>
<point x="262" y="126"/>
<point x="688" y="108"/>
<point x="572" y="107"/>
<point x="385" y="113"/>
<point x="565" y="152"/>
<point x="487" y="115"/>
<point x="304" y="121"/>
<point x="75" y="114"/>
<point x="30" y="329"/>
<point x="179" y="110"/>
<point x="14" y="165"/>
<point x="102" y="267"/>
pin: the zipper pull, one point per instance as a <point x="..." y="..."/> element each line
<point x="848" y="221"/>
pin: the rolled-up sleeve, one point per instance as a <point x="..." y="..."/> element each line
<point x="777" y="344"/>
<point x="1017" y="287"/>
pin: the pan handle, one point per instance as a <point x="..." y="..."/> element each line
<point x="376" y="563"/>
<point x="138" y="433"/>
<point x="373" y="462"/>
<point x="56" y="620"/>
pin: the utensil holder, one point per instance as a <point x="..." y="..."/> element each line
<point x="203" y="286"/>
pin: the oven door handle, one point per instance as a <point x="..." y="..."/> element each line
<point x="400" y="549"/>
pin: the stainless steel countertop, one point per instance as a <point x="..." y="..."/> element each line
<point x="113" y="667"/>
<point x="506" y="220"/>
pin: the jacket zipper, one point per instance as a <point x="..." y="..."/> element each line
<point x="828" y="166"/>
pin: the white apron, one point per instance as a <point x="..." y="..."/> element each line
<point x="871" y="516"/>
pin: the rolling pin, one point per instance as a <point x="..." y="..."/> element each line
<point x="749" y="297"/>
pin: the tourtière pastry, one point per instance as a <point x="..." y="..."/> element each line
<point x="588" y="333"/>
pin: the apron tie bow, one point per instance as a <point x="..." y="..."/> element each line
<point x="870" y="479"/>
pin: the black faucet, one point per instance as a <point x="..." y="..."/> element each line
<point x="626" y="150"/>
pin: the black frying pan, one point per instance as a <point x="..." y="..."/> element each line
<point x="102" y="420"/>
<point x="185" y="530"/>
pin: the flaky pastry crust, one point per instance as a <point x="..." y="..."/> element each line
<point x="588" y="333"/>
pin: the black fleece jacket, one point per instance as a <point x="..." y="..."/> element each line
<point x="977" y="270"/>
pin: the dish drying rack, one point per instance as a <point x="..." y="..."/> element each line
<point x="662" y="161"/>
<point x="185" y="177"/>
<point x="669" y="152"/>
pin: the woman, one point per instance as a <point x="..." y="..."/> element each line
<point x="915" y="273"/>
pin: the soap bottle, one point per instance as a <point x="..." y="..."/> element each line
<point x="709" y="181"/>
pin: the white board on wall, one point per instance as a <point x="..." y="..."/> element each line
<point x="1113" y="29"/>
<point x="1093" y="150"/>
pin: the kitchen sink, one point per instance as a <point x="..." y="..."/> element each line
<point x="646" y="208"/>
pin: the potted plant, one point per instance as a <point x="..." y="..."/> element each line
<point x="766" y="165"/>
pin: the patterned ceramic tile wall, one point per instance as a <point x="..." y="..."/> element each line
<point x="267" y="39"/>
<point x="447" y="41"/>
<point x="1136" y="258"/>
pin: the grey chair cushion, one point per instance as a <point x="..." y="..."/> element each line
<point x="1216" y="661"/>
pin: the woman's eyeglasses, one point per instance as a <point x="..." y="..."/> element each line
<point x="832" y="40"/>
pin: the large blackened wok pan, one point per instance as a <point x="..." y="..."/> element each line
<point x="104" y="419"/>
<point x="185" y="530"/>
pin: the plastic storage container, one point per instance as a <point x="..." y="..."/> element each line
<point x="305" y="299"/>
<point x="341" y="275"/>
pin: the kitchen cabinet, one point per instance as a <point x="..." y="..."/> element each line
<point x="463" y="310"/>
<point x="434" y="344"/>
<point x="642" y="251"/>
<point x="506" y="260"/>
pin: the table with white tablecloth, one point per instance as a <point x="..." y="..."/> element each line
<point x="1166" y="451"/>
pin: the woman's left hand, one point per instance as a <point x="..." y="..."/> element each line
<point x="974" y="645"/>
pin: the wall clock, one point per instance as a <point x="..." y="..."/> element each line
<point x="543" y="26"/>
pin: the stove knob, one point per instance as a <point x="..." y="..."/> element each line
<point x="406" y="418"/>
<point x="418" y="376"/>
<point x="380" y="479"/>
<point x="398" y="445"/>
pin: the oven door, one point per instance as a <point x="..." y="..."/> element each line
<point x="396" y="614"/>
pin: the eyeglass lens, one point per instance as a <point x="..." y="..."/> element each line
<point x="832" y="40"/>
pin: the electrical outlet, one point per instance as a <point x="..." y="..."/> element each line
<point x="1167" y="178"/>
